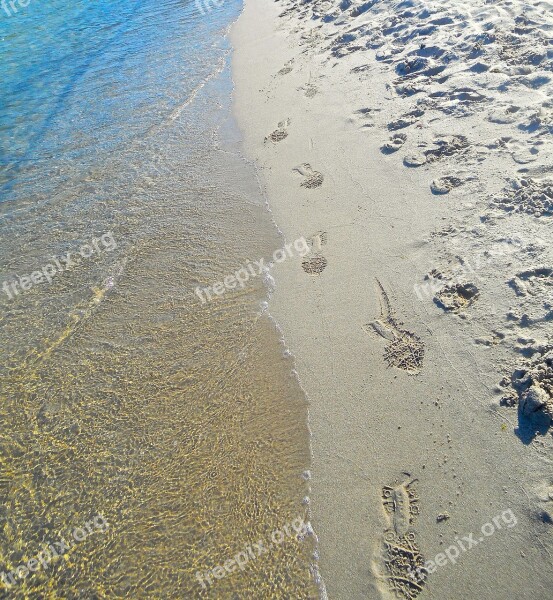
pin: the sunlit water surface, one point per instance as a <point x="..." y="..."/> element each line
<point x="122" y="394"/>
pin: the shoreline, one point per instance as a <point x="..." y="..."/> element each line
<point x="403" y="397"/>
<point x="183" y="415"/>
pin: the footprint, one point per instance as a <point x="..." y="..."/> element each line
<point x="315" y="263"/>
<point x="287" y="68"/>
<point x="310" y="90"/>
<point x="415" y="160"/>
<point x="313" y="179"/>
<point x="494" y="339"/>
<point x="504" y="115"/>
<point x="523" y="152"/>
<point x="405" y="350"/>
<point x="456" y="297"/>
<point x="401" y="504"/>
<point x="447" y="146"/>
<point x="535" y="288"/>
<point x="457" y="100"/>
<point x="534" y="281"/>
<point x="279" y="134"/>
<point x="362" y="68"/>
<point x="395" y="143"/>
<point x="311" y="38"/>
<point x="365" y="114"/>
<point x="540" y="119"/>
<point x="400" y="557"/>
<point x="406" y="120"/>
<point x="318" y="240"/>
<point x="531" y="196"/>
<point x="544" y="494"/>
<point x="444" y="185"/>
<point x="444" y="146"/>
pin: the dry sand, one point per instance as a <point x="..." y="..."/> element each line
<point x="410" y="143"/>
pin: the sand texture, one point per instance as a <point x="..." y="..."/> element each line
<point x="410" y="143"/>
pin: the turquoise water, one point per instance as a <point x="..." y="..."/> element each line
<point x="122" y="395"/>
<point x="82" y="80"/>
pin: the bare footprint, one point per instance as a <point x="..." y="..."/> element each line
<point x="447" y="146"/>
<point x="362" y="68"/>
<point x="401" y="562"/>
<point x="313" y="179"/>
<point x="405" y="350"/>
<point x="280" y="133"/>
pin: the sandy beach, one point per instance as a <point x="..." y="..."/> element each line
<point x="410" y="143"/>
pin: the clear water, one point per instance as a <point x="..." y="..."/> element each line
<point x="121" y="393"/>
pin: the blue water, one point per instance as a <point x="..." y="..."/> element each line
<point x="81" y="80"/>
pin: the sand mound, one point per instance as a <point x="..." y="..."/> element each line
<point x="532" y="386"/>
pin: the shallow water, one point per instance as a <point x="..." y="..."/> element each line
<point x="122" y="393"/>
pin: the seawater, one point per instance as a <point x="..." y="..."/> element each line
<point x="181" y="423"/>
